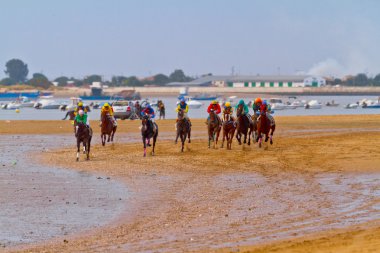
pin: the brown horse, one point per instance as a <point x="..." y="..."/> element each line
<point x="263" y="127"/>
<point x="147" y="132"/>
<point x="183" y="129"/>
<point x="83" y="135"/>
<point x="107" y="128"/>
<point x="254" y="130"/>
<point x="214" y="125"/>
<point x="243" y="125"/>
<point x="229" y="127"/>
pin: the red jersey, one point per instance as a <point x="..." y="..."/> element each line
<point x="215" y="107"/>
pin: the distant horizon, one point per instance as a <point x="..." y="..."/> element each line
<point x="144" y="38"/>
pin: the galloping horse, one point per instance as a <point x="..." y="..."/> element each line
<point x="147" y="133"/>
<point x="229" y="127"/>
<point x="107" y="129"/>
<point x="214" y="126"/>
<point x="71" y="113"/>
<point x="84" y="135"/>
<point x="263" y="127"/>
<point x="183" y="129"/>
<point x="161" y="109"/>
<point x="254" y="130"/>
<point x="243" y="125"/>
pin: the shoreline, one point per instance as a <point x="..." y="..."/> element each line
<point x="178" y="206"/>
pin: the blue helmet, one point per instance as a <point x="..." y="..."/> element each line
<point x="265" y="102"/>
<point x="182" y="100"/>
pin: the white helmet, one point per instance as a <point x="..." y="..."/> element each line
<point x="81" y="112"/>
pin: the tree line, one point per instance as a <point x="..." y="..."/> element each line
<point x="17" y="72"/>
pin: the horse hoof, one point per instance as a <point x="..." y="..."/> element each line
<point x="271" y="142"/>
<point x="77" y="159"/>
<point x="189" y="141"/>
<point x="152" y="153"/>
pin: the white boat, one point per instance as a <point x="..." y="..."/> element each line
<point x="193" y="104"/>
<point x="47" y="104"/>
<point x="277" y="104"/>
<point x="352" y="106"/>
<point x="13" y="106"/>
<point x="313" y="104"/>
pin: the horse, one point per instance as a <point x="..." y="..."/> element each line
<point x="147" y="133"/>
<point x="183" y="128"/>
<point x="229" y="127"/>
<point x="263" y="127"/>
<point x="214" y="125"/>
<point x="243" y="125"/>
<point x="83" y="135"/>
<point x="161" y="109"/>
<point x="70" y="114"/>
<point x="254" y="130"/>
<point x="107" y="128"/>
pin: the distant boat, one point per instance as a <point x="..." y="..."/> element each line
<point x="352" y="106"/>
<point x="15" y="95"/>
<point x="204" y="96"/>
<point x="46" y="104"/>
<point x="313" y="104"/>
<point x="375" y="105"/>
<point x="332" y="103"/>
<point x="193" y="104"/>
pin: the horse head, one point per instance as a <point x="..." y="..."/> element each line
<point x="227" y="117"/>
<point x="239" y="110"/>
<point x="145" y="123"/>
<point x="180" y="114"/>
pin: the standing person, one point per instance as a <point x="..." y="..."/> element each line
<point x="107" y="109"/>
<point x="161" y="108"/>
<point x="138" y="108"/>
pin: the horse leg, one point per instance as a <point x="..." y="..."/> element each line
<point x="238" y="137"/>
<point x="271" y="134"/>
<point x="88" y="147"/>
<point x="225" y="135"/>
<point x="78" y="148"/>
<point x="176" y="138"/>
<point x="217" y="135"/>
<point x="103" y="139"/>
<point x="109" y="137"/>
<point x="249" y="136"/>
<point x="183" y="139"/>
<point x="189" y="135"/>
<point x="143" y="139"/>
<point x="154" y="142"/>
<point x="245" y="138"/>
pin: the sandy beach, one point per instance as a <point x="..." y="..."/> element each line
<point x="317" y="189"/>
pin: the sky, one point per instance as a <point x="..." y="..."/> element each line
<point x="76" y="38"/>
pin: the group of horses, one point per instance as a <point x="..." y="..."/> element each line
<point x="244" y="125"/>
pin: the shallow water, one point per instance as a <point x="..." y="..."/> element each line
<point x="39" y="203"/>
<point x="170" y="103"/>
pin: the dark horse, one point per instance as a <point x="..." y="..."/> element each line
<point x="147" y="133"/>
<point x="84" y="136"/>
<point x="263" y="127"/>
<point x="183" y="129"/>
<point x="243" y="125"/>
<point x="229" y="127"/>
<point x="71" y="113"/>
<point x="214" y="126"/>
<point x="161" y="109"/>
<point x="107" y="128"/>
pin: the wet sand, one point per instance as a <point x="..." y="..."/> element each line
<point x="315" y="190"/>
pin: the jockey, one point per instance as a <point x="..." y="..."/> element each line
<point x="183" y="106"/>
<point x="80" y="106"/>
<point x="107" y="109"/>
<point x="266" y="108"/>
<point x="228" y="109"/>
<point x="214" y="106"/>
<point x="245" y="111"/>
<point x="256" y="106"/>
<point x="81" y="117"/>
<point x="148" y="110"/>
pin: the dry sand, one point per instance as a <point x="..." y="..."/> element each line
<point x="315" y="190"/>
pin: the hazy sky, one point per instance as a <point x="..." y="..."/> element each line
<point x="145" y="37"/>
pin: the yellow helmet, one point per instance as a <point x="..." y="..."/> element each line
<point x="228" y="104"/>
<point x="80" y="103"/>
<point x="214" y="102"/>
<point x="106" y="105"/>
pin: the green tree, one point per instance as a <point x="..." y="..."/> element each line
<point x="62" y="80"/>
<point x="361" y="80"/>
<point x="92" y="78"/>
<point x="40" y="80"/>
<point x="133" y="81"/>
<point x="177" y="76"/>
<point x="17" y="70"/>
<point x="161" y="79"/>
<point x="118" y="80"/>
<point x="376" y="80"/>
<point x="6" y="81"/>
<point x="337" y="81"/>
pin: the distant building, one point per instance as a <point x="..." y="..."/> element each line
<point x="255" y="81"/>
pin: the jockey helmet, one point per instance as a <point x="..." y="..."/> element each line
<point x="264" y="102"/>
<point x="258" y="100"/>
<point x="80" y="103"/>
<point x="81" y="112"/>
<point x="106" y="105"/>
<point x="228" y="104"/>
<point x="182" y="100"/>
<point x="241" y="102"/>
<point x="214" y="102"/>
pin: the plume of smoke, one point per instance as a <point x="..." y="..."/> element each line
<point x="328" y="67"/>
